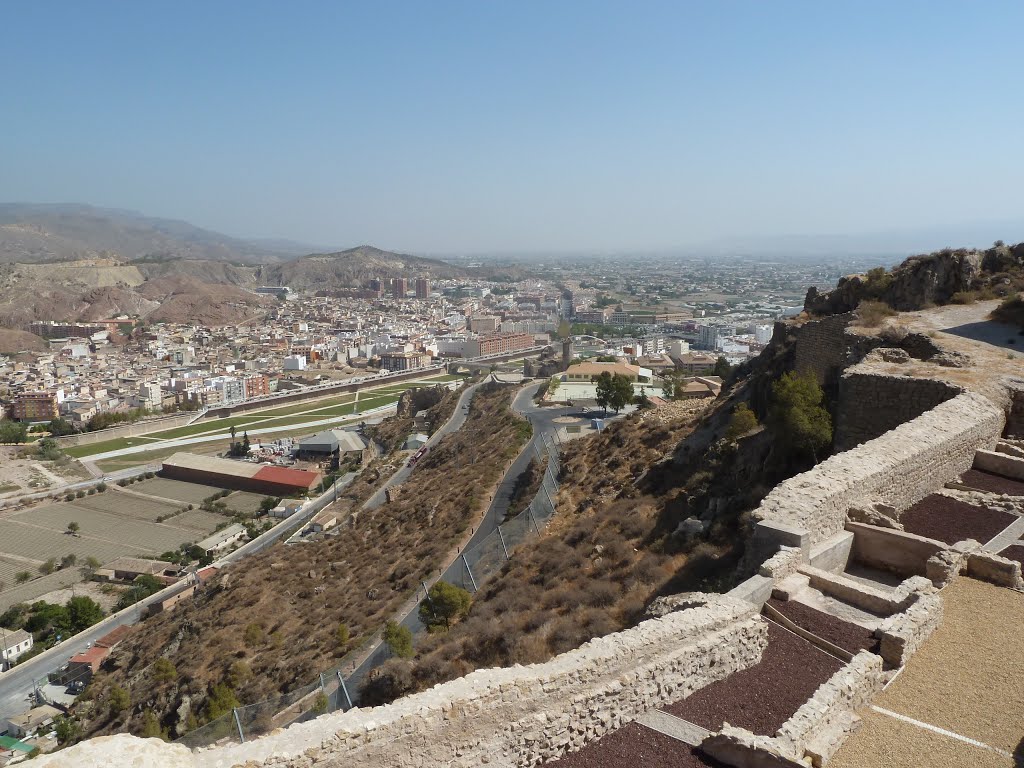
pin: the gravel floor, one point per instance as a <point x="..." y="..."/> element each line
<point x="1014" y="552"/>
<point x="884" y="742"/>
<point x="990" y="483"/>
<point x="969" y="676"/>
<point x="636" y="746"/>
<point x="848" y="636"/>
<point x="764" y="696"/>
<point x="949" y="520"/>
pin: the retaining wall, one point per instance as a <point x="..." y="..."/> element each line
<point x="871" y="404"/>
<point x="126" y="430"/>
<point x="501" y="717"/>
<point x="899" y="468"/>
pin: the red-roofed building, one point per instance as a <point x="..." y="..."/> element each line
<point x="115" y="636"/>
<point x="203" y="575"/>
<point x="281" y="481"/>
<point x="84" y="665"/>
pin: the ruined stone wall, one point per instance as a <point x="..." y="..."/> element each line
<point x="898" y="468"/>
<point x="871" y="404"/>
<point x="500" y="717"/>
<point x="821" y="346"/>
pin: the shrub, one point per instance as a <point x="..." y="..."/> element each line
<point x="872" y="313"/>
<point x="444" y="603"/>
<point x="398" y="640"/>
<point x="341" y="634"/>
<point x="253" y="635"/>
<point x="797" y="416"/>
<point x="743" y="421"/>
<point x="164" y="671"/>
<point x="118" y="700"/>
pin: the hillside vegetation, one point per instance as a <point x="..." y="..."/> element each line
<point x="271" y="622"/>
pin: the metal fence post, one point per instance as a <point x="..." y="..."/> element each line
<point x="529" y="512"/>
<point x="344" y="689"/>
<point x="238" y="725"/>
<point x="502" y="540"/>
<point x="470" y="572"/>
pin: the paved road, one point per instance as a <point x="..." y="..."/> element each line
<point x="543" y="421"/>
<point x="159" y="445"/>
<point x="454" y="423"/>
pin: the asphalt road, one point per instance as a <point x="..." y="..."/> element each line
<point x="543" y="421"/>
<point x="454" y="423"/>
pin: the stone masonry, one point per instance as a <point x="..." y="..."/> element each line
<point x="503" y="717"/>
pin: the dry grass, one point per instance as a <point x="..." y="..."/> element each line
<point x="604" y="556"/>
<point x="299" y="595"/>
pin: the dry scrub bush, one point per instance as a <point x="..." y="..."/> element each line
<point x="870" y="314"/>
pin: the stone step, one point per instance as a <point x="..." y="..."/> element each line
<point x="674" y="727"/>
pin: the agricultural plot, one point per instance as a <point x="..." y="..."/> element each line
<point x="244" y="503"/>
<point x="33" y="590"/>
<point x="8" y="570"/>
<point x="186" y="493"/>
<point x="39" y="543"/>
<point x="135" y="535"/>
<point x="127" y="505"/>
<point x="199" y="521"/>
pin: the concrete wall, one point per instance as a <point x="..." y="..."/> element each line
<point x="126" y="430"/>
<point x="1000" y="463"/>
<point x="871" y="404"/>
<point x="501" y="717"/>
<point x="899" y="468"/>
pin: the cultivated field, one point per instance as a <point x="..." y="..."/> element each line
<point x="111" y="525"/>
<point x="186" y="493"/>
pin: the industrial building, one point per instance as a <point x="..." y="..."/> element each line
<point x="239" y="475"/>
<point x="331" y="442"/>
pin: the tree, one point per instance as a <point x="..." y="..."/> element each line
<point x="66" y="728"/>
<point x="47" y="449"/>
<point x="68" y="560"/>
<point x="22" y="576"/>
<point x="13" y="431"/>
<point x="797" y="416"/>
<point x="554" y="384"/>
<point x="60" y="427"/>
<point x="164" y="670"/>
<point x="118" y="700"/>
<point x="221" y="700"/>
<point x="48" y="567"/>
<point x="245" y="444"/>
<point x="668" y="387"/>
<point x="444" y="603"/>
<point x="614" y="391"/>
<point x="743" y="420"/>
<point x="722" y="368"/>
<point x="232" y="433"/>
<point x="398" y="639"/>
<point x="74" y="528"/>
<point x="151" y="727"/>
<point x="83" y="612"/>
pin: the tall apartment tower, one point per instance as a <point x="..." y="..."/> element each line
<point x="422" y="288"/>
<point x="400" y="287"/>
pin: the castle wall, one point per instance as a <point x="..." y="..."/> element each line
<point x="501" y="717"/>
<point x="871" y="404"/>
<point x="821" y="346"/>
<point x="899" y="468"/>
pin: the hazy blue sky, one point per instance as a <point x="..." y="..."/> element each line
<point x="448" y="127"/>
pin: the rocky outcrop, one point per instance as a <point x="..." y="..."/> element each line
<point x="918" y="281"/>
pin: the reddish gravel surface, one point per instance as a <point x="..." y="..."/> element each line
<point x="990" y="483"/>
<point x="1014" y="552"/>
<point x="945" y="519"/>
<point x="635" y="746"/>
<point x="767" y="694"/>
<point x="848" y="636"/>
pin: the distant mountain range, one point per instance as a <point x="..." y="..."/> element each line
<point x="78" y="262"/>
<point x="31" y="233"/>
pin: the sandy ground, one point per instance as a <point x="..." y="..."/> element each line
<point x="883" y="741"/>
<point x="30" y="474"/>
<point x="968" y="678"/>
<point x="966" y="329"/>
<point x="87" y="589"/>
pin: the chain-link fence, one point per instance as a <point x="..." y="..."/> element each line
<point x="337" y="688"/>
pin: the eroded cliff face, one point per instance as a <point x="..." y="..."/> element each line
<point x="925" y="280"/>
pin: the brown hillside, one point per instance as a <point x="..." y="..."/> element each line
<point x="277" y="613"/>
<point x="13" y="342"/>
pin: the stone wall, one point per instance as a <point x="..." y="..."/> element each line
<point x="126" y="430"/>
<point x="871" y="404"/>
<point x="821" y="346"/>
<point x="501" y="717"/>
<point x="899" y="468"/>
